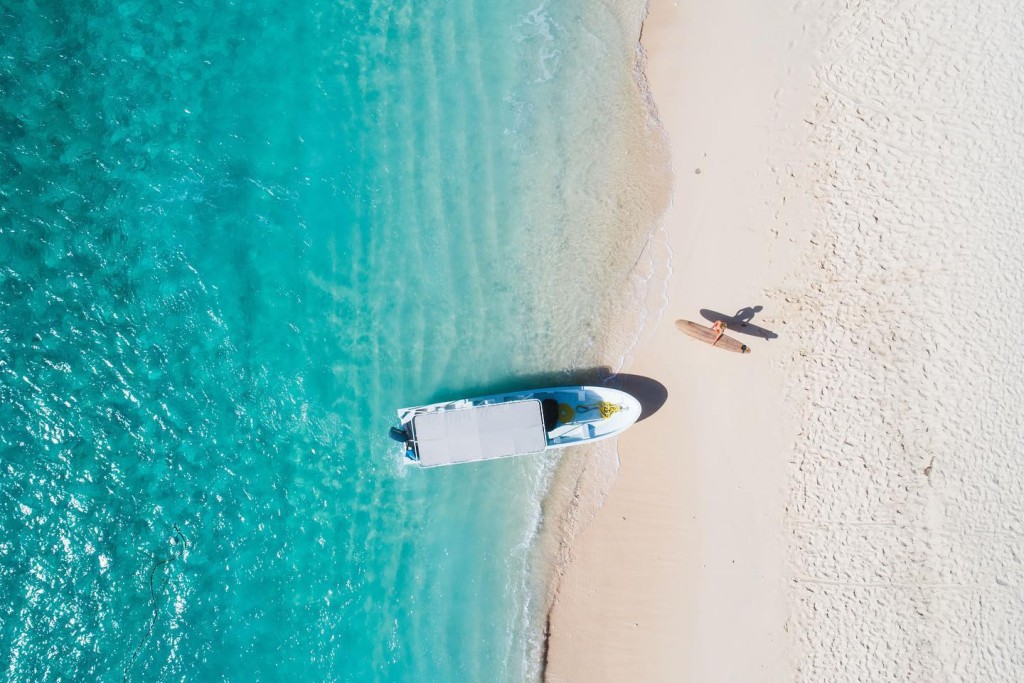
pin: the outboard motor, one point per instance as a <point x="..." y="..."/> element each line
<point x="399" y="434"/>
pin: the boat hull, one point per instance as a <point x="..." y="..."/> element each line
<point x="573" y="415"/>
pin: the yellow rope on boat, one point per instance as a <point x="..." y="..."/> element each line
<point x="604" y="407"/>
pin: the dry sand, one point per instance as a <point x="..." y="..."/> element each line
<point x="846" y="503"/>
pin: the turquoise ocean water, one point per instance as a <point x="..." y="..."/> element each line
<point x="234" y="238"/>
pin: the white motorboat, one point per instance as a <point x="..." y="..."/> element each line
<point x="515" y="423"/>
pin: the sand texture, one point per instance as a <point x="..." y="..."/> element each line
<point x="847" y="503"/>
<point x="905" y="508"/>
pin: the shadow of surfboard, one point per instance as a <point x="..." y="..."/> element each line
<point x="739" y="323"/>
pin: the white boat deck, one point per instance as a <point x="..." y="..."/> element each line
<point x="575" y="430"/>
<point x="516" y="423"/>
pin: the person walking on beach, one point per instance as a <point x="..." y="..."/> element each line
<point x="719" y="329"/>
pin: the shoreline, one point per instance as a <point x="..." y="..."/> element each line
<point x="679" y="573"/>
<point x="844" y="501"/>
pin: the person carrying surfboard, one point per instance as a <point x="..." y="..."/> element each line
<point x="714" y="336"/>
<point x="719" y="329"/>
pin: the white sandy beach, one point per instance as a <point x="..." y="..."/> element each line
<point x="846" y="502"/>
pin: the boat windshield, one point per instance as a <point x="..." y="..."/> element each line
<point x="550" y="413"/>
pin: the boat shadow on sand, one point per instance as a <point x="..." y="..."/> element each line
<point x="740" y="321"/>
<point x="651" y="393"/>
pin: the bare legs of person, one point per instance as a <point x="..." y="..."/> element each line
<point x="719" y="329"/>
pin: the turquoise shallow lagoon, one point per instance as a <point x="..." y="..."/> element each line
<point x="234" y="238"/>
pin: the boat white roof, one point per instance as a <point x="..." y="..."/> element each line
<point x="481" y="432"/>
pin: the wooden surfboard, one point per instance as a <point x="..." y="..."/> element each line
<point x="704" y="334"/>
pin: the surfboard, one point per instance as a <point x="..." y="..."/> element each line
<point x="704" y="334"/>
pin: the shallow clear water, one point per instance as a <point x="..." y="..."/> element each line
<point x="234" y="238"/>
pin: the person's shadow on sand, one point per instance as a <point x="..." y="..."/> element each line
<point x="740" y="321"/>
